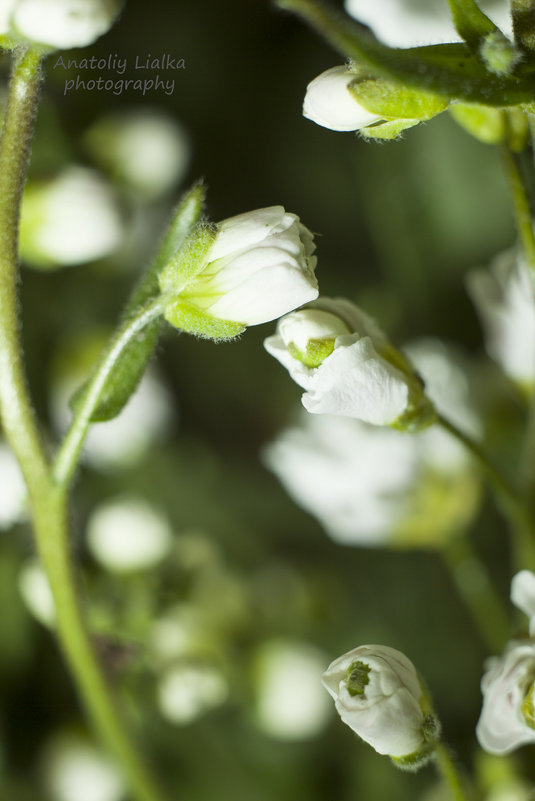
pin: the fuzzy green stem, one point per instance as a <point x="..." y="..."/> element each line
<point x="69" y="453"/>
<point x="476" y="589"/>
<point x="521" y="205"/>
<point x="48" y="500"/>
<point x="450" y="773"/>
<point x="510" y="502"/>
<point x="16" y="410"/>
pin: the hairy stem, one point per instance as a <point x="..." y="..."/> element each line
<point x="48" y="499"/>
<point x="521" y="205"/>
<point x="450" y="773"/>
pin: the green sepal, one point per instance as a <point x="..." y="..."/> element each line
<point x="387" y="130"/>
<point x="189" y="318"/>
<point x="431" y="734"/>
<point x="189" y="260"/>
<point x="523" y="14"/>
<point x="470" y="22"/>
<point x="493" y="125"/>
<point x="394" y="101"/>
<point x="130" y="366"/>
<point x="449" y="70"/>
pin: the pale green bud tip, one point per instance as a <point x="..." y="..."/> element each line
<point x="528" y="707"/>
<point x="499" y="54"/>
<point x="357" y="678"/>
<point x="310" y="335"/>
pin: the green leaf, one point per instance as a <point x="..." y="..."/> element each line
<point x="129" y="368"/>
<point x="189" y="318"/>
<point x="450" y="70"/>
<point x="387" y="130"/>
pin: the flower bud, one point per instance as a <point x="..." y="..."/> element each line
<point x="251" y="269"/>
<point x="58" y="23"/>
<point x="342" y="359"/>
<point x="343" y="99"/>
<point x="378" y="694"/>
<point x="523" y="595"/>
<point x="507" y="718"/>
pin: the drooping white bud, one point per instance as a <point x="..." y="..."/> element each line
<point x="523" y="595"/>
<point x="58" y="23"/>
<point x="378" y="694"/>
<point x="328" y="102"/>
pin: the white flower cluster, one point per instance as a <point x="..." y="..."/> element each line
<point x="507" y="718"/>
<point x="365" y="484"/>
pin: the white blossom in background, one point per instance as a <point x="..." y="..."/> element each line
<point x="35" y="590"/>
<point x="523" y="595"/>
<point x="507" y="718"/>
<point x="260" y="266"/>
<point x="70" y="220"/>
<point x="334" y="351"/>
<point x="329" y="103"/>
<point x="76" y="770"/>
<point x="504" y="299"/>
<point x="187" y="691"/>
<point x="12" y="489"/>
<point x="290" y="703"/>
<point x="362" y="482"/>
<point x="409" y="23"/>
<point x="128" y="534"/>
<point x="377" y="693"/>
<point x="146" y="419"/>
<point x="58" y="23"/>
<point x="145" y="149"/>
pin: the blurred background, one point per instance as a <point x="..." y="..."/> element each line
<point x="216" y="601"/>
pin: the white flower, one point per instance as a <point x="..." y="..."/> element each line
<point x="13" y="493"/>
<point x="70" y="220"/>
<point x="328" y="102"/>
<point x="75" y="768"/>
<point x="260" y="266"/>
<point x="36" y="593"/>
<point x="187" y="691"/>
<point x="408" y="23"/>
<point x="523" y="595"/>
<point x="377" y="693"/>
<point x="339" y="363"/>
<point x="128" y="534"/>
<point x="504" y="299"/>
<point x="507" y="718"/>
<point x="58" y="23"/>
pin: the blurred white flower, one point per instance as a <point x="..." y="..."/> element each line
<point x="290" y="704"/>
<point x="36" y="593"/>
<point x="75" y="769"/>
<point x="70" y="220"/>
<point x="507" y="718"/>
<point x="128" y="534"/>
<point x="339" y="362"/>
<point x="365" y="484"/>
<point x="523" y="595"/>
<point x="58" y="23"/>
<point x="328" y="102"/>
<point x="260" y="265"/>
<point x="13" y="489"/>
<point x="147" y="418"/>
<point x="187" y="691"/>
<point x="378" y="694"/>
<point x="504" y="298"/>
<point x="409" y="23"/>
<point x="145" y="149"/>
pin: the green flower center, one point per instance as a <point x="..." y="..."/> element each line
<point x="357" y="678"/>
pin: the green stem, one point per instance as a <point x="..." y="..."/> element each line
<point x="450" y="773"/>
<point x="477" y="591"/>
<point x="69" y="453"/>
<point x="511" y="503"/>
<point x="521" y="205"/>
<point x="48" y="500"/>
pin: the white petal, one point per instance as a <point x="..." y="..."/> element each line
<point x="245" y="230"/>
<point x="63" y="23"/>
<point x="523" y="595"/>
<point x="354" y="381"/>
<point x="328" y="102"/>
